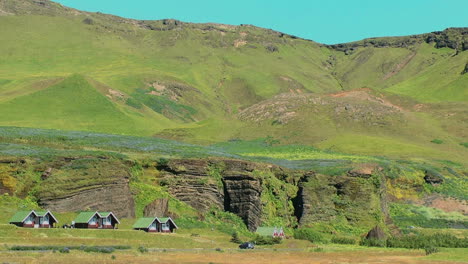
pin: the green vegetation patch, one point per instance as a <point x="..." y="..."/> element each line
<point x="408" y="215"/>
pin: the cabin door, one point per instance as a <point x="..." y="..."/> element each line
<point x="37" y="222"/>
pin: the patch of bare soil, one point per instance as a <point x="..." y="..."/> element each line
<point x="446" y="204"/>
<point x="114" y="94"/>
<point x="239" y="43"/>
<point x="363" y="94"/>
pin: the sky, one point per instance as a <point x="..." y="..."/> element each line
<point x="329" y="22"/>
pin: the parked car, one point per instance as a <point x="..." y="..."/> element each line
<point x="247" y="245"/>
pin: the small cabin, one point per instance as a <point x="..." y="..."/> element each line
<point x="270" y="231"/>
<point x="155" y="224"/>
<point x="34" y="219"/>
<point x="99" y="220"/>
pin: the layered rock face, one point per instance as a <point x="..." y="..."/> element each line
<point x="189" y="181"/>
<point x="87" y="184"/>
<point x="242" y="192"/>
<point x="224" y="184"/>
<point x="238" y="187"/>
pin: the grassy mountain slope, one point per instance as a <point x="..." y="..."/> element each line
<point x="207" y="83"/>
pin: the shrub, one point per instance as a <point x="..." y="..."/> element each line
<point x="266" y="240"/>
<point x="437" y="141"/>
<point x="235" y="238"/>
<point x="88" y="21"/>
<point x="277" y="240"/>
<point x="431" y="250"/>
<point x="134" y="103"/>
<point x="425" y="241"/>
<point x="343" y="240"/>
<point x="271" y="48"/>
<point x="99" y="249"/>
<point x="142" y="249"/>
<point x="308" y="234"/>
<point x="64" y="250"/>
<point x="372" y="242"/>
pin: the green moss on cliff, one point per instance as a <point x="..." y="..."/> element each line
<point x="277" y="206"/>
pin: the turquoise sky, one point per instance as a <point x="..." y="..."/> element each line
<point x="329" y="22"/>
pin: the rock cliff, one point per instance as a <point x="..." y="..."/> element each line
<point x="76" y="184"/>
<point x="261" y="193"/>
<point x="225" y="184"/>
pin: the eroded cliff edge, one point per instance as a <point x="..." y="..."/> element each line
<point x="259" y="193"/>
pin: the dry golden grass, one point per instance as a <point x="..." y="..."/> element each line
<point x="253" y="257"/>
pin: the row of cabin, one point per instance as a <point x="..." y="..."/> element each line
<point x="94" y="220"/>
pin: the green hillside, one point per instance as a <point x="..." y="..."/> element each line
<point x="208" y="83"/>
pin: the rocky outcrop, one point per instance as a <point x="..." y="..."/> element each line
<point x="250" y="189"/>
<point x="190" y="182"/>
<point x="376" y="233"/>
<point x="159" y="207"/>
<point x="242" y="193"/>
<point x="454" y="38"/>
<point x="433" y="177"/>
<point x="87" y="183"/>
<point x="114" y="198"/>
<point x="224" y="184"/>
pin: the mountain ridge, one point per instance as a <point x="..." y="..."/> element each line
<point x="41" y="5"/>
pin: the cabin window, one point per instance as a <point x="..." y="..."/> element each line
<point x="153" y="226"/>
<point x="93" y="220"/>
<point x="29" y="220"/>
<point x="44" y="220"/>
<point x="165" y="226"/>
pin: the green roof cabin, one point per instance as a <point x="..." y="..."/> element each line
<point x="34" y="219"/>
<point x="270" y="231"/>
<point x="100" y="220"/>
<point x="155" y="224"/>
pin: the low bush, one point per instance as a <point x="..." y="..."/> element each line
<point x="265" y="240"/>
<point x="99" y="249"/>
<point x="373" y="242"/>
<point x="64" y="250"/>
<point x="421" y="241"/>
<point x="343" y="240"/>
<point x="431" y="250"/>
<point x="308" y="234"/>
<point x="235" y="238"/>
<point x="142" y="249"/>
